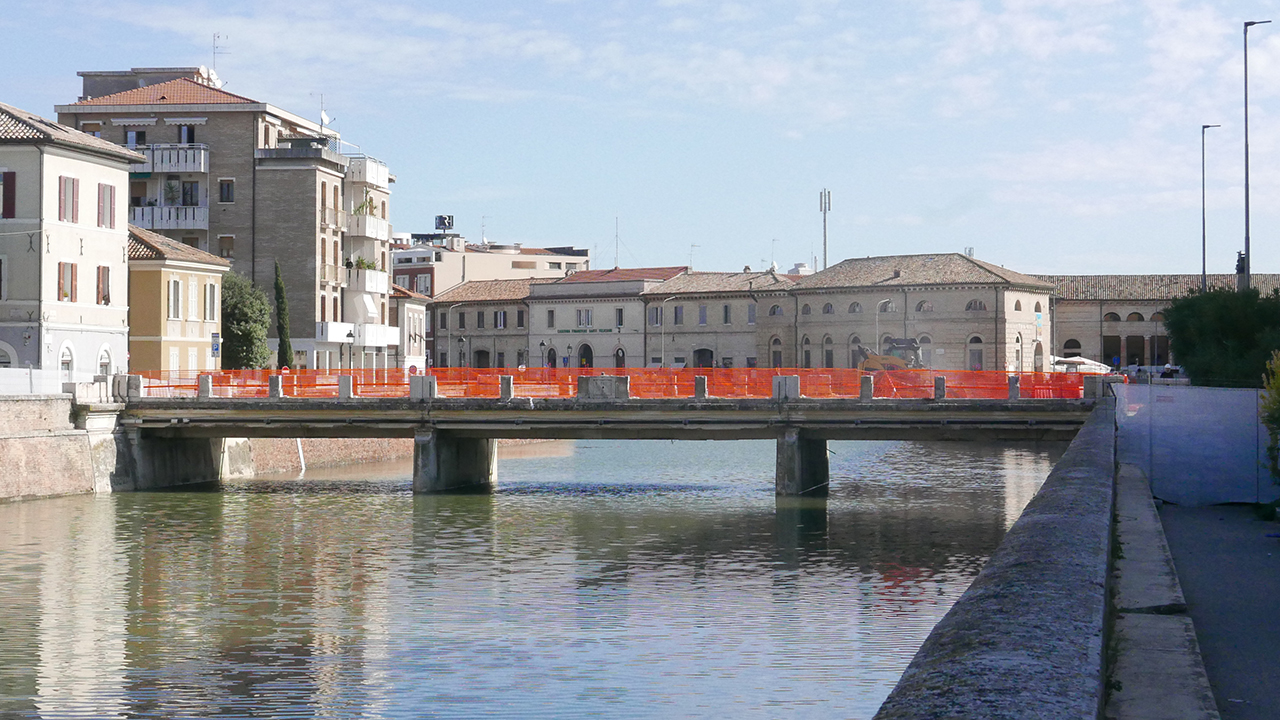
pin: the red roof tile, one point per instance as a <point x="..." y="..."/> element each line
<point x="656" y="273"/>
<point x="182" y="91"/>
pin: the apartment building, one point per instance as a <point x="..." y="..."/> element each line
<point x="437" y="262"/>
<point x="175" y="304"/>
<point x="410" y="314"/>
<point x="256" y="185"/>
<point x="485" y="323"/>
<point x="63" y="241"/>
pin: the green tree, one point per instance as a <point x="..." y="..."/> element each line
<point x="284" y="354"/>
<point x="246" y="316"/>
<point x="1224" y="338"/>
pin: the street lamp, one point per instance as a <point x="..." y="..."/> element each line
<point x="1204" y="275"/>
<point x="542" y="350"/>
<point x="662" y="323"/>
<point x="462" y="356"/>
<point x="1247" y="257"/>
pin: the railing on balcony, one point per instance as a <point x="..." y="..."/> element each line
<point x="369" y="226"/>
<point x="334" y="274"/>
<point x="371" y="335"/>
<point x="333" y="218"/>
<point x="173" y="158"/>
<point x="364" y="169"/>
<point x="371" y="281"/>
<point x="180" y="217"/>
<point x="338" y="332"/>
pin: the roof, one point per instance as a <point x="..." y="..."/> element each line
<point x="1147" y="287"/>
<point x="910" y="270"/>
<point x="20" y="126"/>
<point x="147" y="245"/>
<point x="722" y="282"/>
<point x="402" y="292"/>
<point x="655" y="273"/>
<point x="182" y="91"/>
<point x="490" y="290"/>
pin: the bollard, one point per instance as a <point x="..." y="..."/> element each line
<point x="939" y="387"/>
<point x="206" y="386"/>
<point x="506" y="387"/>
<point x="275" y="387"/>
<point x="786" y="387"/>
<point x="345" y="387"/>
<point x="133" y="387"/>
<point x="699" y="387"/>
<point x="866" y="388"/>
<point x="422" y="387"/>
<point x="1014" y="387"/>
<point x="1091" y="383"/>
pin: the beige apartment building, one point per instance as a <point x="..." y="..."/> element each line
<point x="175" y="304"/>
<point x="63" y="238"/>
<point x="485" y="323"/>
<point x="410" y="314"/>
<point x="255" y="184"/>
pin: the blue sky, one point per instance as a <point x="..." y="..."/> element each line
<point x="1053" y="136"/>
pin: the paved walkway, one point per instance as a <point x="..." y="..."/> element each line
<point x="1230" y="575"/>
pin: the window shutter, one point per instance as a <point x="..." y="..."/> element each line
<point x="62" y="288"/>
<point x="62" y="199"/>
<point x="111" y="207"/>
<point x="75" y="209"/>
<point x="102" y="202"/>
<point x="10" y="194"/>
<point x="73" y="279"/>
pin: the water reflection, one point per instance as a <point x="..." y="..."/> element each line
<point x="634" y="579"/>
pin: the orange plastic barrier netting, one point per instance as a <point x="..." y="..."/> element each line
<point x="644" y="383"/>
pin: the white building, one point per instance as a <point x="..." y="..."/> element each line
<point x="64" y="234"/>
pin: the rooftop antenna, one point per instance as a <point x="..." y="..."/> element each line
<point x="324" y="116"/>
<point x="691" y="247"/>
<point x="824" y="205"/>
<point x="615" y="242"/>
<point x="217" y="49"/>
<point x="773" y="247"/>
<point x="483" y="240"/>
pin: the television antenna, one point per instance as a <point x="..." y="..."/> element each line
<point x="218" y="49"/>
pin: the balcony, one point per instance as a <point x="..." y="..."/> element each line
<point x="334" y="332"/>
<point x="367" y="170"/>
<point x="333" y="218"/>
<point x="333" y="274"/>
<point x="377" y="335"/>
<point x="173" y="158"/>
<point x="370" y="281"/>
<point x="368" y="226"/>
<point x="179" y="217"/>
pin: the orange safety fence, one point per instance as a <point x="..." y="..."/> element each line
<point x="644" y="382"/>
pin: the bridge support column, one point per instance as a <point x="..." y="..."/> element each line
<point x="802" y="468"/>
<point x="444" y="463"/>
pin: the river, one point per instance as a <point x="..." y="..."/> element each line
<point x="620" y="579"/>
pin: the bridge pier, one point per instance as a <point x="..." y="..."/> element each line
<point x="444" y="462"/>
<point x="802" y="468"/>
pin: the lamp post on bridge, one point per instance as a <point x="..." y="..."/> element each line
<point x="1247" y="257"/>
<point x="1204" y="275"/>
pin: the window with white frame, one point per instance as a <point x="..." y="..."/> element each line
<point x="106" y="206"/>
<point x="175" y="299"/>
<point x="211" y="301"/>
<point x="584" y="317"/>
<point x="499" y="319"/>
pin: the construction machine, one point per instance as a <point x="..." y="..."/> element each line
<point x="901" y="354"/>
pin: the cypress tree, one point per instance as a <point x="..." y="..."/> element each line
<point x="284" y="355"/>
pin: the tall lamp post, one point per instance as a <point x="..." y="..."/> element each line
<point x="462" y="356"/>
<point x="1247" y="256"/>
<point x="1204" y="275"/>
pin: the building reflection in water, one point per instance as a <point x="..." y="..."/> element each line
<point x="600" y="575"/>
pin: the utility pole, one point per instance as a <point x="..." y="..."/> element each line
<point x="1247" y="257"/>
<point x="824" y="205"/>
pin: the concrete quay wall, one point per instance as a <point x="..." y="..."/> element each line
<point x="1027" y="639"/>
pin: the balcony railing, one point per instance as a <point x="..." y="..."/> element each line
<point x="377" y="335"/>
<point x="333" y="218"/>
<point x="369" y="226"/>
<point x="367" y="170"/>
<point x="173" y="158"/>
<point x="333" y="274"/>
<point x="334" y="332"/>
<point x="170" y="218"/>
<point x="371" y="281"/>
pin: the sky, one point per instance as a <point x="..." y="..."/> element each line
<point x="1051" y="136"/>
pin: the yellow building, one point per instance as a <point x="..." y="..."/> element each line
<point x="175" y="303"/>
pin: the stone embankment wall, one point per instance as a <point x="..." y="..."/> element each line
<point x="1026" y="639"/>
<point x="41" y="451"/>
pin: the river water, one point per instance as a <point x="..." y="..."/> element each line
<point x="629" y="579"/>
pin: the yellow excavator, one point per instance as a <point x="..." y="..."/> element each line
<point x="902" y="354"/>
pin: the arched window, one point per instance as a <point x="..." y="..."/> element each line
<point x="926" y="350"/>
<point x="1135" y="317"/>
<point x="855" y="340"/>
<point x="324" y="306"/>
<point x="975" y="340"/>
<point x="805" y="353"/>
<point x="775" y="310"/>
<point x="887" y="306"/>
<point x="1017" y="306"/>
<point x="1071" y="348"/>
<point x="855" y="307"/>
<point x="5" y="359"/>
<point x="805" y="310"/>
<point x="104" y="362"/>
<point x="1157" y="317"/>
<point x="828" y="352"/>
<point x="975" y="306"/>
<point x="775" y="352"/>
<point x="1111" y="317"/>
<point x="1037" y="307"/>
<point x="828" y="309"/>
<point x="924" y="306"/>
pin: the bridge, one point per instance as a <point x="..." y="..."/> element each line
<point x="176" y="425"/>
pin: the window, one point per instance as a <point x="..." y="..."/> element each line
<point x="775" y="310"/>
<point x="133" y="138"/>
<point x="1134" y="317"/>
<point x="828" y="353"/>
<point x="553" y="266"/>
<point x="502" y="357"/>
<point x="775" y="352"/>
<point x="855" y="307"/>
<point x="106" y="206"/>
<point x="191" y="241"/>
<point x="4" y="279"/>
<point x="728" y="315"/>
<point x="190" y="193"/>
<point x="67" y="282"/>
<point x="655" y="316"/>
<point x="444" y="321"/>
<point x="888" y="306"/>
<point x="702" y="314"/>
<point x="401" y="280"/>
<point x="104" y="285"/>
<point x="68" y="199"/>
<point x="806" y="310"/>
<point x="175" y="299"/>
<point x="677" y="315"/>
<point x="551" y="318"/>
<point x="1111" y="317"/>
<point x="211" y="302"/>
<point x="227" y="246"/>
<point x="751" y="314"/>
<point x="1157" y="317"/>
<point x="8" y="194"/>
<point x="1017" y="306"/>
<point x="617" y="317"/>
<point x="751" y="362"/>
<point x="479" y="320"/>
<point x="519" y="318"/>
<point x="324" y="306"/>
<point x="462" y="321"/>
<point x="584" y="317"/>
<point x="193" y="306"/>
<point x="924" y="306"/>
<point x="975" y="306"/>
<point x="92" y="128"/>
<point x="1037" y="307"/>
<point x="828" y="309"/>
<point x="186" y="134"/>
<point x="337" y="315"/>
<point x="499" y="322"/>
<point x="422" y="284"/>
<point x="226" y="190"/>
<point x="1071" y="348"/>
